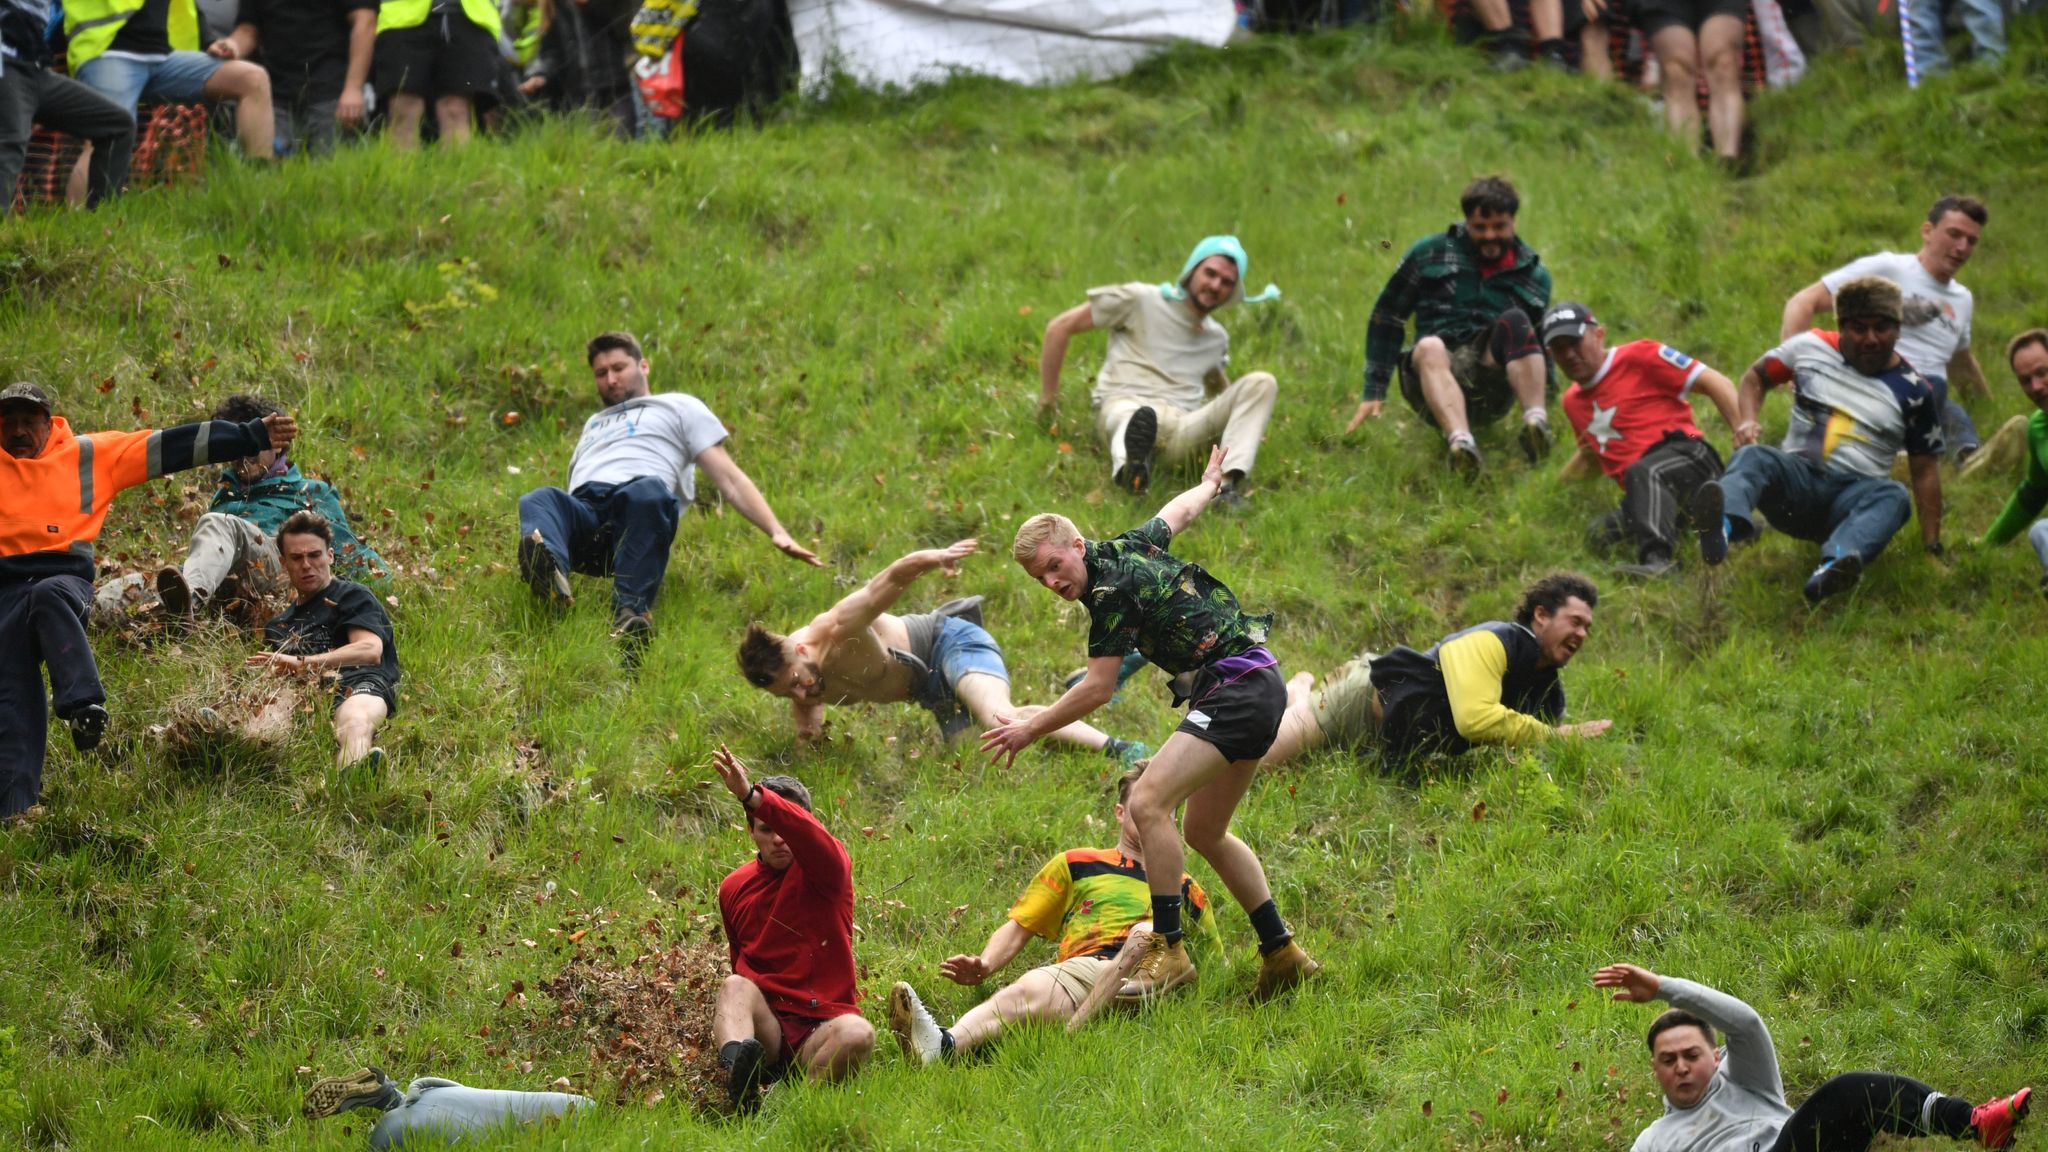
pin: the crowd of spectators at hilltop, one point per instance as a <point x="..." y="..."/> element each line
<point x="103" y="86"/>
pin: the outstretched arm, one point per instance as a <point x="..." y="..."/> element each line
<point x="1804" y="305"/>
<point x="1096" y="687"/>
<point x="1752" y="1061"/>
<point x="860" y="607"/>
<point x="364" y="647"/>
<point x="1002" y="947"/>
<point x="737" y="487"/>
<point x="1053" y="356"/>
<point x="825" y="862"/>
<point x="1182" y="509"/>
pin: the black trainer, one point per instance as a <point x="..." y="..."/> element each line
<point x="538" y="568"/>
<point x="88" y="724"/>
<point x="1708" y="519"/>
<point x="173" y="593"/>
<point x="1834" y="577"/>
<point x="743" y="1075"/>
<point x="1139" y="437"/>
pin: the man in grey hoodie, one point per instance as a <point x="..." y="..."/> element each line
<point x="1731" y="1100"/>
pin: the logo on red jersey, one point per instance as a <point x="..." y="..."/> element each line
<point x="1674" y="357"/>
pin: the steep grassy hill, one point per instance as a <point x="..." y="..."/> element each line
<point x="1835" y="813"/>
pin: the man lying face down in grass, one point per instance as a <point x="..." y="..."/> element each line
<point x="857" y="651"/>
<point x="1095" y="903"/>
<point x="1141" y="598"/>
<point x="1730" y="1099"/>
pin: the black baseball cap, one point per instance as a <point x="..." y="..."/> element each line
<point x="28" y="394"/>
<point x="1568" y="319"/>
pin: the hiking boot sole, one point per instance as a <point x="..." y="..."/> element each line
<point x="1139" y="437"/>
<point x="538" y="568"/>
<point x="1706" y="508"/>
<point x="334" y="1094"/>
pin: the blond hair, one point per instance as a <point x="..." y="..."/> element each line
<point x="1044" y="528"/>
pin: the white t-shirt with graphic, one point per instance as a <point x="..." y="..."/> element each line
<point x="658" y="435"/>
<point x="1937" y="321"/>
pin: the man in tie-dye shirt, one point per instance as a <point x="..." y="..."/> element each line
<point x="1090" y="900"/>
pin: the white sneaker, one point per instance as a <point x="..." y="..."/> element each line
<point x="913" y="1025"/>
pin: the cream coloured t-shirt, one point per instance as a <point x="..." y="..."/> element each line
<point x="1157" y="352"/>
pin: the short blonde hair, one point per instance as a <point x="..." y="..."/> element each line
<point x="1044" y="528"/>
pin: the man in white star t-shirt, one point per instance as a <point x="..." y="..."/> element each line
<point x="1935" y="337"/>
<point x="1629" y="406"/>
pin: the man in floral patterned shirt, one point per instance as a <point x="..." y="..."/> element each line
<point x="1141" y="598"/>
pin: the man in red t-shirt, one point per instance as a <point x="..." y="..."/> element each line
<point x="1628" y="406"/>
<point x="789" y="922"/>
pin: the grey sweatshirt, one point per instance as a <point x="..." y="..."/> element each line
<point x="1744" y="1105"/>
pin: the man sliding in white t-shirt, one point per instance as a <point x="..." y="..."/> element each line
<point x="632" y="472"/>
<point x="1935" y="338"/>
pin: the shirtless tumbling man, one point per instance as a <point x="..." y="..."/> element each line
<point x="856" y="651"/>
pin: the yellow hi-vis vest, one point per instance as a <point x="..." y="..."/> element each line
<point x="93" y="24"/>
<point x="413" y="13"/>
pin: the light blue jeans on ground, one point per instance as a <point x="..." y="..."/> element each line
<point x="1846" y="513"/>
<point x="436" y="1112"/>
<point x="1983" y="19"/>
<point x="2038" y="537"/>
<point x="179" y="78"/>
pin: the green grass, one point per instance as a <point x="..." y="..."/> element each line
<point x="1835" y="814"/>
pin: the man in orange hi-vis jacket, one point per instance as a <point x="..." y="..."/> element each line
<point x="55" y="486"/>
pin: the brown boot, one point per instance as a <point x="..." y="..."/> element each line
<point x="1281" y="969"/>
<point x="1163" y="968"/>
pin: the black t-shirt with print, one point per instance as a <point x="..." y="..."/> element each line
<point x="304" y="43"/>
<point x="322" y="624"/>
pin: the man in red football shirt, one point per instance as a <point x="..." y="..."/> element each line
<point x="1628" y="406"/>
<point x="789" y="921"/>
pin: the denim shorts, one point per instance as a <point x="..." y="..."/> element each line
<point x="179" y="78"/>
<point x="961" y="647"/>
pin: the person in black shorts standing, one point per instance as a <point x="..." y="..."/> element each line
<point x="1691" y="37"/>
<point x="1140" y="598"/>
<point x="318" y="57"/>
<point x="334" y="625"/>
<point x="443" y="49"/>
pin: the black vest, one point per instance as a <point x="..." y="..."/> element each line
<point x="1418" y="707"/>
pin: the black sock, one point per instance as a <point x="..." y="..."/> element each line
<point x="729" y="1051"/>
<point x="1272" y="930"/>
<point x="1166" y="917"/>
<point x="1949" y="1116"/>
<point x="1114" y="747"/>
<point x="945" y="1042"/>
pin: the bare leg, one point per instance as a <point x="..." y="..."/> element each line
<point x="1678" y="55"/>
<point x="355" y="726"/>
<point x="1207" y="827"/>
<point x="1191" y="770"/>
<point x="1525" y="378"/>
<point x="1299" y="731"/>
<point x="1493" y="14"/>
<point x="452" y="113"/>
<point x="1546" y="19"/>
<point x="406" y="112"/>
<point x="742" y="1014"/>
<point x="837" y="1049"/>
<point x="1593" y="58"/>
<point x="1439" y="388"/>
<point x="988" y="697"/>
<point x="1721" y="51"/>
<point x="248" y="85"/>
<point x="1035" y="996"/>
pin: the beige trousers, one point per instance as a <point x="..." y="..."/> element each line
<point x="222" y="546"/>
<point x="1236" y="418"/>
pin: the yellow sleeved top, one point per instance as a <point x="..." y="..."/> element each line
<point x="1475" y="663"/>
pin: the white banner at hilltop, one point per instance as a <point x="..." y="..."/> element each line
<point x="908" y="42"/>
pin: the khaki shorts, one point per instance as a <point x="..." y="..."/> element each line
<point x="1077" y="977"/>
<point x="1344" y="705"/>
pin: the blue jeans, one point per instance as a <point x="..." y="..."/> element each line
<point x="179" y="78"/>
<point x="42" y="622"/>
<point x="1845" y="513"/>
<point x="961" y="647"/>
<point x="2038" y="537"/>
<point x="617" y="530"/>
<point x="1983" y="19"/>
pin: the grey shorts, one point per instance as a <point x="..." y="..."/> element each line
<point x="1487" y="395"/>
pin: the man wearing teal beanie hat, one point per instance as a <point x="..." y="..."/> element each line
<point x="1164" y="388"/>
